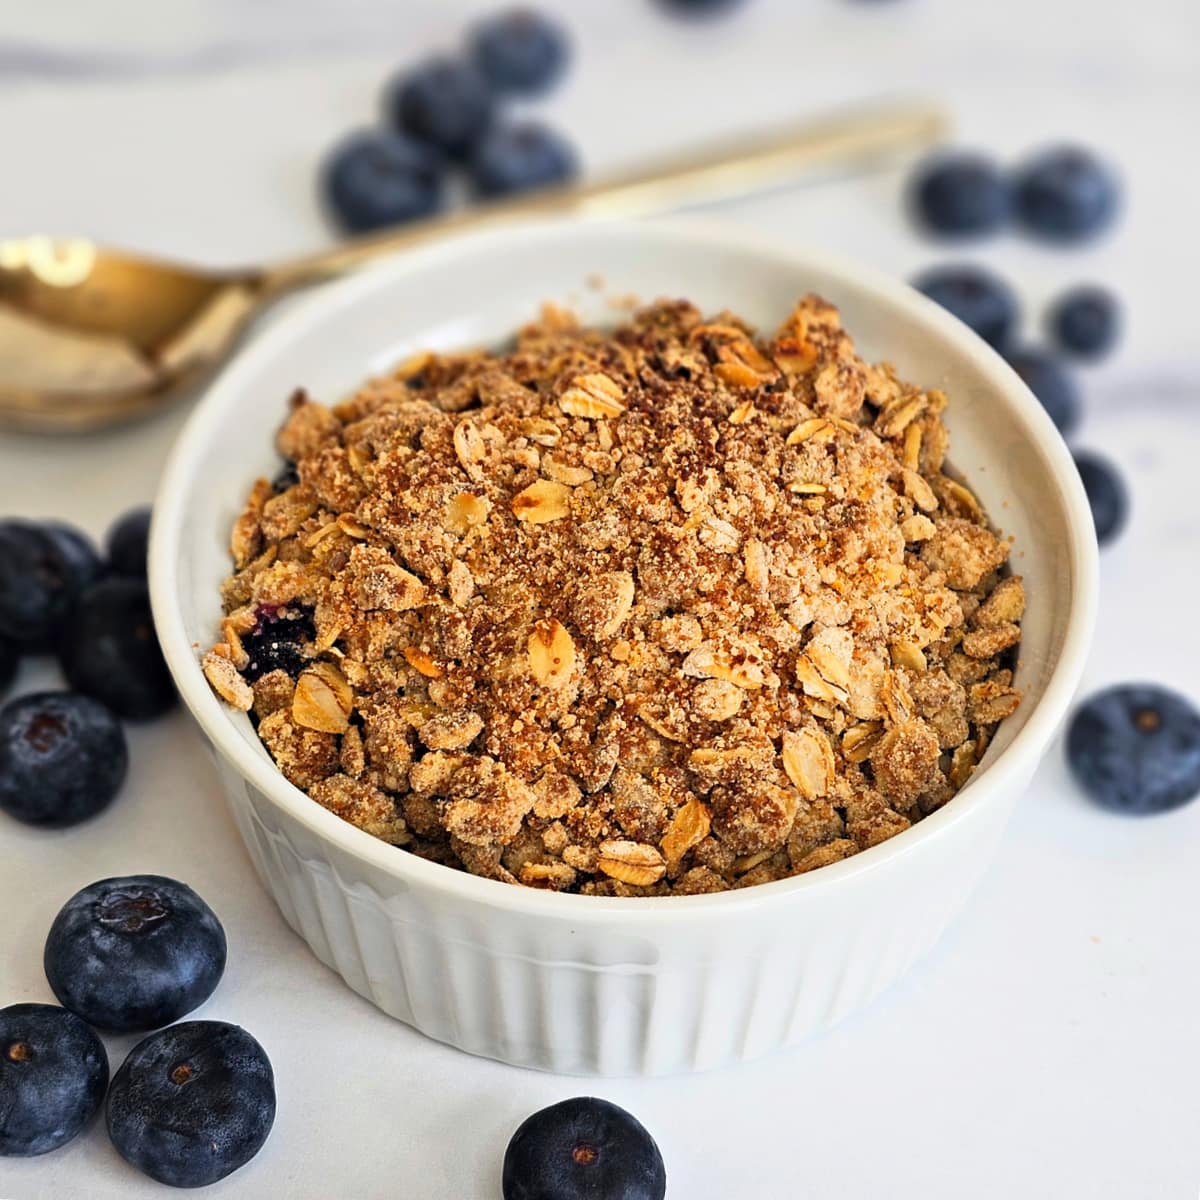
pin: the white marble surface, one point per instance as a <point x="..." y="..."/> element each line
<point x="1049" y="1047"/>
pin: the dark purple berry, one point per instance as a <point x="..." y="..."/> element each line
<point x="278" y="641"/>
<point x="583" y="1149"/>
<point x="128" y="543"/>
<point x="1135" y="748"/>
<point x="519" y="158"/>
<point x="980" y="300"/>
<point x="62" y="758"/>
<point x="443" y="102"/>
<point x="520" y="50"/>
<point x="1106" y="493"/>
<point x="1085" y="321"/>
<point x="961" y="194"/>
<point x="1052" y="383"/>
<point x="10" y="659"/>
<point x="376" y="179"/>
<point x="192" y="1103"/>
<point x="53" y="1074"/>
<point x="1065" y="194"/>
<point x="134" y="953"/>
<point x="109" y="650"/>
<point x="287" y="477"/>
<point x="43" y="569"/>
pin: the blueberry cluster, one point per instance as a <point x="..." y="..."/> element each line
<point x="1066" y="196"/>
<point x="63" y="755"/>
<point x="192" y="1102"/>
<point x="446" y="113"/>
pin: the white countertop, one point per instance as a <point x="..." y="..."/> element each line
<point x="1049" y="1046"/>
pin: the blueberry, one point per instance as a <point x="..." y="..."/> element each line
<point x="109" y="650"/>
<point x="1065" y="194"/>
<point x="1051" y="382"/>
<point x="374" y="179"/>
<point x="583" y="1149"/>
<point x="520" y="50"/>
<point x="1106" y="493"/>
<point x="1135" y="748"/>
<point x="135" y="952"/>
<point x="701" y="7"/>
<point x="443" y="102"/>
<point x="10" y="659"/>
<point x="518" y="158"/>
<point x="53" y="1073"/>
<point x="1085" y="321"/>
<point x="277" y="642"/>
<point x="79" y="553"/>
<point x="62" y="758"/>
<point x="41" y="576"/>
<point x="287" y="477"/>
<point x="127" y="543"/>
<point x="961" y="194"/>
<point x="193" y="1103"/>
<point x="979" y="299"/>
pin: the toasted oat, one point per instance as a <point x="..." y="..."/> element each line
<point x="542" y="502"/>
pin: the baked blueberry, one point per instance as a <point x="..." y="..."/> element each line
<point x="1065" y="194"/>
<point x="1106" y="493"/>
<point x="583" y="1149"/>
<point x="10" y="659"/>
<point x="134" y="953"/>
<point x="1086" y="321"/>
<point x="376" y="179"/>
<point x="127" y="543"/>
<point x="277" y="642"/>
<point x="518" y="158"/>
<point x="520" y="50"/>
<point x="62" y="758"/>
<point x="109" y="650"/>
<point x="979" y="299"/>
<point x="960" y="194"/>
<point x="1052" y="383"/>
<point x="1135" y="748"/>
<point x="443" y="102"/>
<point x="38" y="584"/>
<point x="287" y="477"/>
<point x="53" y="1073"/>
<point x="192" y="1103"/>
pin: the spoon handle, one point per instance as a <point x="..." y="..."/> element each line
<point x="733" y="169"/>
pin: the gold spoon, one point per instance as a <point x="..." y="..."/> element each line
<point x="91" y="337"/>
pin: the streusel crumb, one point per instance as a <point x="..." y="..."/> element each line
<point x="668" y="609"/>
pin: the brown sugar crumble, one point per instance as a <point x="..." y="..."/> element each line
<point x="668" y="609"/>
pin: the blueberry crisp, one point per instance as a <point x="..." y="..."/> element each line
<point x="666" y="609"/>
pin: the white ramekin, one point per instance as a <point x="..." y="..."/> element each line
<point x="574" y="983"/>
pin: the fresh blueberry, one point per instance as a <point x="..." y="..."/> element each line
<point x="10" y="658"/>
<point x="1086" y="321"/>
<point x="701" y="7"/>
<point x="979" y="299"/>
<point x="277" y="642"/>
<point x="520" y="50"/>
<point x="40" y="580"/>
<point x="193" y="1103"/>
<point x="1051" y="383"/>
<point x="1066" y="194"/>
<point x="134" y="953"/>
<point x="583" y="1149"/>
<point x="53" y="1073"/>
<point x="376" y="179"/>
<point x="79" y="553"/>
<point x="1135" y="748"/>
<point x="518" y="158"/>
<point x="959" y="194"/>
<point x="127" y="543"/>
<point x="109" y="650"/>
<point x="1106" y="493"/>
<point x="62" y="758"/>
<point x="443" y="102"/>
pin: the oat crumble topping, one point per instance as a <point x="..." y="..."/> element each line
<point x="667" y="609"/>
